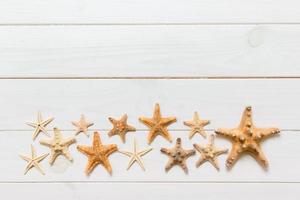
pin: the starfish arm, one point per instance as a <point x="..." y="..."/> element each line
<point x="33" y="125"/>
<point x="198" y="148"/>
<point x="37" y="166"/>
<point x="151" y="136"/>
<point x="211" y="141"/>
<point x="230" y="133"/>
<point x="147" y="121"/>
<point x="260" y="157"/>
<point x="124" y="118"/>
<point x="123" y="136"/>
<point x="202" y="132"/>
<point x="96" y="140"/>
<point x="167" y="121"/>
<point x="214" y="162"/>
<point x="190" y="152"/>
<point x="166" y="134"/>
<point x="39" y="117"/>
<point x="36" y="133"/>
<point x="46" y="122"/>
<point x="85" y="150"/>
<point x="112" y="132"/>
<point x="111" y="148"/>
<point x="132" y="160"/>
<point x="192" y="133"/>
<point x="140" y="162"/>
<point x="189" y="123"/>
<point x="205" y="122"/>
<point x="141" y="153"/>
<point x="169" y="165"/>
<point x="46" y="143"/>
<point x="220" y="151"/>
<point x="53" y="157"/>
<point x="246" y="118"/>
<point x="129" y="154"/>
<point x="107" y="165"/>
<point x="130" y="128"/>
<point x="75" y="123"/>
<point x="67" y="154"/>
<point x="69" y="141"/>
<point x="42" y="128"/>
<point x="184" y="167"/>
<point x="40" y="158"/>
<point x="91" y="165"/>
<point x="112" y="120"/>
<point x="166" y="151"/>
<point x="89" y="124"/>
<point x="28" y="167"/>
<point x="200" y="162"/>
<point x="233" y="156"/>
<point x="25" y="158"/>
<point x="261" y="133"/>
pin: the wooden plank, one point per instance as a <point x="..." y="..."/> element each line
<point x="282" y="153"/>
<point x="150" y="191"/>
<point x="275" y="101"/>
<point x="144" y="11"/>
<point x="184" y="51"/>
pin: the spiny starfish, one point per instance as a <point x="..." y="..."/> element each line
<point x="120" y="127"/>
<point x="196" y="125"/>
<point x="34" y="161"/>
<point x="97" y="154"/>
<point x="158" y="125"/>
<point x="177" y="156"/>
<point x="58" y="146"/>
<point x="136" y="155"/>
<point x="82" y="125"/>
<point x="246" y="138"/>
<point x="40" y="125"/>
<point x="209" y="153"/>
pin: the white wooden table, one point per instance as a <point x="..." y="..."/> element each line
<point x="104" y="58"/>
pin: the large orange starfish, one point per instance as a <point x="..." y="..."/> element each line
<point x="246" y="138"/>
<point x="97" y="154"/>
<point x="158" y="125"/>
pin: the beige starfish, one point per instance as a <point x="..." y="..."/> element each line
<point x="158" y="125"/>
<point x="246" y="138"/>
<point x="177" y="156"/>
<point x="209" y="153"/>
<point x="59" y="146"/>
<point x="40" y="125"/>
<point x="120" y="127"/>
<point x="34" y="161"/>
<point x="82" y="125"/>
<point x="136" y="155"/>
<point x="196" y="125"/>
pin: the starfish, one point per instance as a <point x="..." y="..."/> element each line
<point x="120" y="127"/>
<point x="158" y="125"/>
<point x="40" y="125"/>
<point x="209" y="153"/>
<point x="196" y="125"/>
<point x="34" y="161"/>
<point x="177" y="156"/>
<point x="97" y="154"/>
<point x="59" y="146"/>
<point x="82" y="125"/>
<point x="136" y="155"/>
<point x="246" y="138"/>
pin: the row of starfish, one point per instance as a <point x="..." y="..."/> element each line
<point x="245" y="138"/>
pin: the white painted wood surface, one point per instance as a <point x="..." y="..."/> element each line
<point x="212" y="46"/>
<point x="145" y="11"/>
<point x="120" y="51"/>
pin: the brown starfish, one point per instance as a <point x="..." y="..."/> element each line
<point x="209" y="153"/>
<point x="177" y="156"/>
<point x="59" y="146"/>
<point x="97" y="154"/>
<point x="196" y="125"/>
<point x="246" y="138"/>
<point x="158" y="125"/>
<point x="120" y="127"/>
<point x="82" y="125"/>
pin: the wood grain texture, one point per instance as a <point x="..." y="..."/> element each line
<point x="121" y="51"/>
<point x="97" y="191"/>
<point x="274" y="101"/>
<point x="145" y="11"/>
<point x="282" y="153"/>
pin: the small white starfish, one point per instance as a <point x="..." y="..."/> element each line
<point x="82" y="125"/>
<point x="136" y="155"/>
<point x="40" y="125"/>
<point x="34" y="161"/>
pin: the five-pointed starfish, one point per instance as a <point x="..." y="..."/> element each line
<point x="120" y="127"/>
<point x="158" y="125"/>
<point x="34" y="161"/>
<point x="136" y="155"/>
<point x="177" y="156"/>
<point x="97" y="154"/>
<point x="59" y="146"/>
<point x="209" y="153"/>
<point x="82" y="125"/>
<point x="247" y="138"/>
<point x="196" y="125"/>
<point x="40" y="125"/>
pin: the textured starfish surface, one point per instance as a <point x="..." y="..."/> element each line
<point x="40" y="125"/>
<point x="209" y="153"/>
<point x="246" y="138"/>
<point x="177" y="156"/>
<point x="97" y="154"/>
<point x="82" y="125"/>
<point x="33" y="161"/>
<point x="120" y="127"/>
<point x="136" y="155"/>
<point x="158" y="125"/>
<point x="197" y="125"/>
<point x="58" y="146"/>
